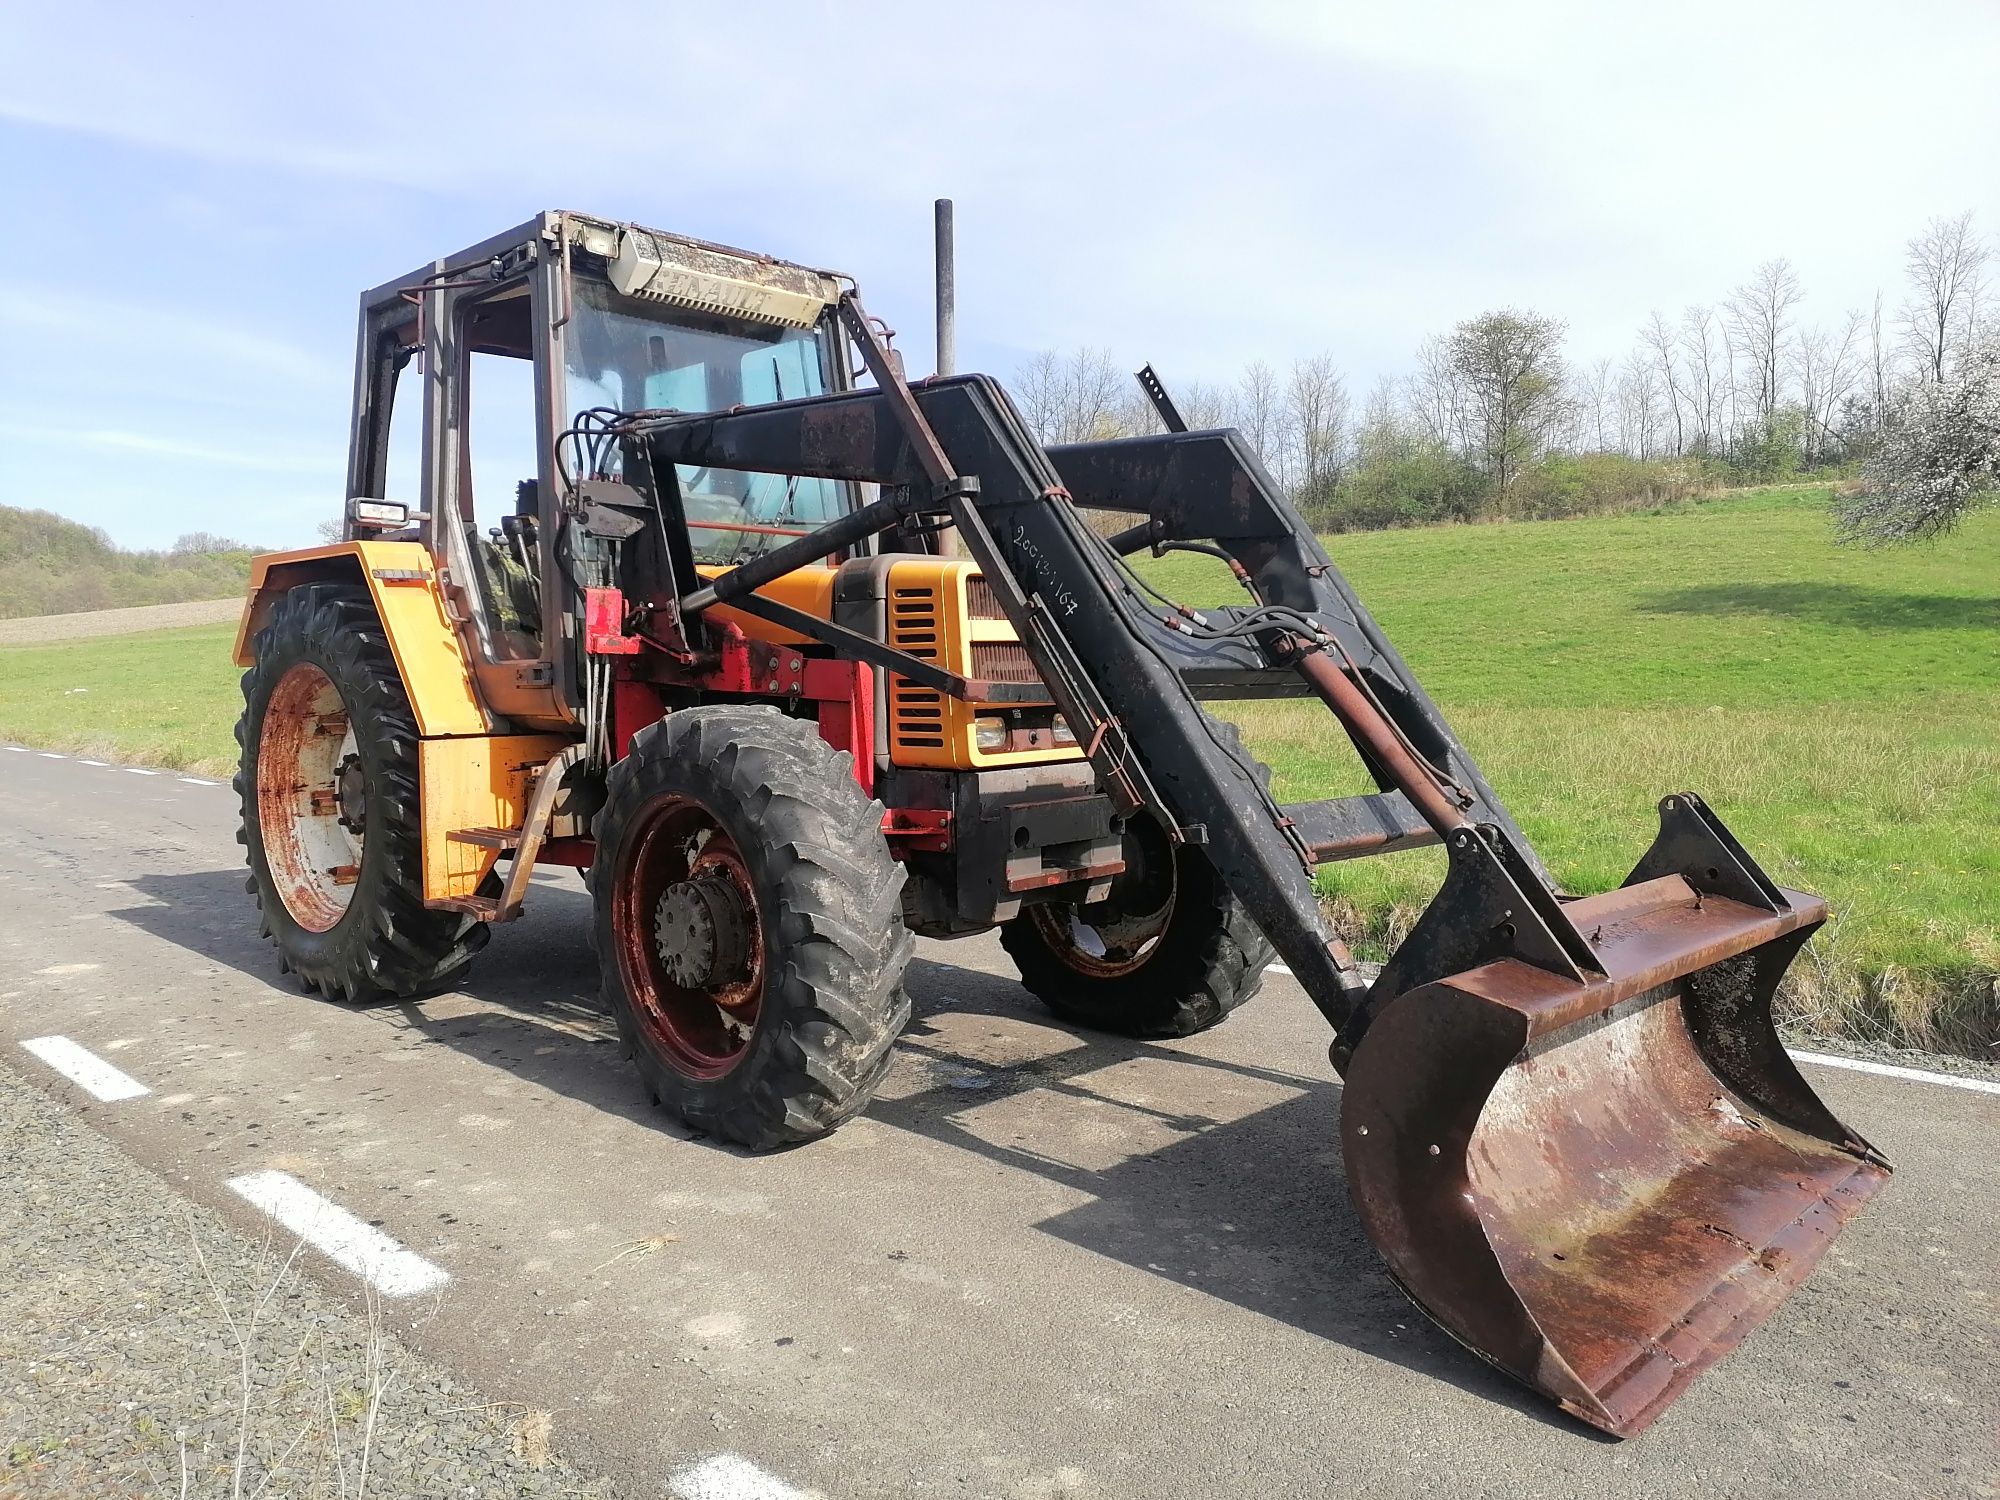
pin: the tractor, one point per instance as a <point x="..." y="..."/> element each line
<point x="656" y="564"/>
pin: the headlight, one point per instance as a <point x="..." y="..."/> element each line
<point x="989" y="734"/>
<point x="1062" y="734"/>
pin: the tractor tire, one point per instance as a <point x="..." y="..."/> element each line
<point x="1188" y="956"/>
<point x="328" y="772"/>
<point x="749" y="925"/>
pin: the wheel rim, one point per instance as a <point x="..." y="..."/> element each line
<point x="1120" y="934"/>
<point x="311" y="802"/>
<point x="689" y="938"/>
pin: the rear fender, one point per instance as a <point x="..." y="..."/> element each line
<point x="402" y="579"/>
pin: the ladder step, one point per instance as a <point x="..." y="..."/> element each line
<point x="484" y="908"/>
<point x="487" y="838"/>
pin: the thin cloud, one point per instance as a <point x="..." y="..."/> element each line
<point x="49" y="311"/>
<point x="172" y="448"/>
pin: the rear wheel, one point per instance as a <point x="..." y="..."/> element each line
<point x="749" y="928"/>
<point x="331" y="827"/>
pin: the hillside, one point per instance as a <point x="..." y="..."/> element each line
<point x="49" y="565"/>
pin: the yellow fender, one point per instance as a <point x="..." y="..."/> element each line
<point x="402" y="578"/>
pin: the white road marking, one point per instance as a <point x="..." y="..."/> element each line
<point x="1827" y="1060"/>
<point x="1890" y="1070"/>
<point x="729" y="1476"/>
<point x="136" y="771"/>
<point x="100" y="764"/>
<point x="337" y="1234"/>
<point x="20" y="749"/>
<point x="52" y="755"/>
<point x="197" y="781"/>
<point x="85" y="1069"/>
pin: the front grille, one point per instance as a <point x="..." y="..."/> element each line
<point x="1003" y="661"/>
<point x="981" y="603"/>
<point x="916" y="714"/>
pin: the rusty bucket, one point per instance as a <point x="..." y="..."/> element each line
<point x="1601" y="1176"/>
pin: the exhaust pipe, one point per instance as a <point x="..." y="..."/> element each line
<point x="947" y="291"/>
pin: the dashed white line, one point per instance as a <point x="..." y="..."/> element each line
<point x="729" y="1476"/>
<point x="100" y="764"/>
<point x="85" y="1069"/>
<point x="20" y="749"/>
<point x="51" y="755"/>
<point x="137" y="771"/>
<point x="1828" y="1060"/>
<point x="338" y="1235"/>
<point x="196" y="781"/>
<point x="1890" y="1070"/>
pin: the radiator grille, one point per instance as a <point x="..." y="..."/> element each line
<point x="1003" y="661"/>
<point x="980" y="602"/>
<point x="916" y="714"/>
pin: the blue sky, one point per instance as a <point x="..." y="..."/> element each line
<point x="199" y="193"/>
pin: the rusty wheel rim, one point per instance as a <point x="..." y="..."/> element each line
<point x="312" y="834"/>
<point x="689" y="938"/>
<point x="1103" y="942"/>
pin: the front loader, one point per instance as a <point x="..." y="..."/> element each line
<point x="799" y="659"/>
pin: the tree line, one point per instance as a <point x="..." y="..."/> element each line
<point x="50" y="565"/>
<point x="1495" y="418"/>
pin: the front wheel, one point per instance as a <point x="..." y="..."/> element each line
<point x="1169" y="952"/>
<point x="749" y="925"/>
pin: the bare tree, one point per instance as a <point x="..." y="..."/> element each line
<point x="1946" y="266"/>
<point x="1437" y="396"/>
<point x="1880" y="359"/>
<point x="1760" y="314"/>
<point x="1260" y="414"/>
<point x="1509" y="367"/>
<point x="1825" y="361"/>
<point x="1638" y="403"/>
<point x="1073" y="398"/>
<point x="1315" y="419"/>
<point x="1707" y="370"/>
<point x="1662" y="346"/>
<point x="1595" y="404"/>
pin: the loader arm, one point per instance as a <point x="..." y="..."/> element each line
<point x="1569" y="1125"/>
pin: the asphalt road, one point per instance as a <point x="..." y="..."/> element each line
<point x="1043" y="1264"/>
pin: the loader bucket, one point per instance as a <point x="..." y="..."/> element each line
<point x="1600" y="1181"/>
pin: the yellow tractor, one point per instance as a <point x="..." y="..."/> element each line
<point x="666" y="593"/>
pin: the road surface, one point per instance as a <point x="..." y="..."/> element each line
<point x="1043" y="1264"/>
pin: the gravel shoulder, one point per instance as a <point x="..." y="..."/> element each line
<point x="149" y="1349"/>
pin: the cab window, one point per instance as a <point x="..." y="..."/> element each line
<point x="628" y="356"/>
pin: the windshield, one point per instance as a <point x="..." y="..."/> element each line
<point x="631" y="357"/>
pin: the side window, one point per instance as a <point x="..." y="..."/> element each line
<point x="497" y="480"/>
<point x="403" y="478"/>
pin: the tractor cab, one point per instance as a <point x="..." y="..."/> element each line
<point x="485" y="381"/>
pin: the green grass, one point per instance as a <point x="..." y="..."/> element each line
<point x="1838" y="708"/>
<point x="168" y="698"/>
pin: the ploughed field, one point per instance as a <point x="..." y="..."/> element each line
<point x="1839" y="708"/>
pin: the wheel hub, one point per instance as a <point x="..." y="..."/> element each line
<point x="350" y="784"/>
<point x="702" y="930"/>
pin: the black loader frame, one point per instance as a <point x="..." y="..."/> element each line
<point x="1574" y="1043"/>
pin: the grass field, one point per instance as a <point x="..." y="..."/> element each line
<point x="1840" y="709"/>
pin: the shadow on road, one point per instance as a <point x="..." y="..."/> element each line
<point x="1252" y="1210"/>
